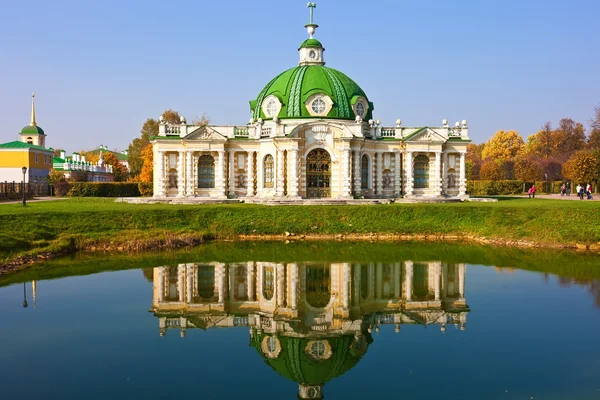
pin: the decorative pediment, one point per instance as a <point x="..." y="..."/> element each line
<point x="205" y="133"/>
<point x="426" y="135"/>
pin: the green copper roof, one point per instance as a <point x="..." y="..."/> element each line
<point x="294" y="86"/>
<point x="312" y="42"/>
<point x="32" y="130"/>
<point x="20" y="145"/>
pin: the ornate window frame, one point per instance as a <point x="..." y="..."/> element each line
<point x="271" y="99"/>
<point x="318" y="350"/>
<point x="270" y="346"/>
<point x="328" y="104"/>
<point x="362" y="100"/>
<point x="269" y="172"/>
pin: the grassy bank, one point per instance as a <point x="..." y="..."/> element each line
<point x="101" y="223"/>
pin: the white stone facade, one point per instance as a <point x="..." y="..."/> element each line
<point x="364" y="159"/>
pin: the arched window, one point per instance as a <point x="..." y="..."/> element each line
<point x="421" y="172"/>
<point x="206" y="282"/>
<point x="269" y="171"/>
<point x="30" y="140"/>
<point x="206" y="172"/>
<point x="318" y="285"/>
<point x="364" y="171"/>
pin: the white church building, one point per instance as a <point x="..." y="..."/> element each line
<point x="311" y="134"/>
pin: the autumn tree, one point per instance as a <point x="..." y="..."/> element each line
<point x="119" y="170"/>
<point x="528" y="170"/>
<point x="540" y="143"/>
<point x="490" y="170"/>
<point x="594" y="139"/>
<point x="568" y="138"/>
<point x="582" y="167"/>
<point x="504" y="145"/>
<point x="147" y="157"/>
<point x="149" y="130"/>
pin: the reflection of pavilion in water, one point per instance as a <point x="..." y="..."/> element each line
<point x="310" y="322"/>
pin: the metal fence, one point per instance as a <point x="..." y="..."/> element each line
<point x="14" y="190"/>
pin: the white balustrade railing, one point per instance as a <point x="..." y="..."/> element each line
<point x="265" y="132"/>
<point x="388" y="132"/>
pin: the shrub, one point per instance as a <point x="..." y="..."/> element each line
<point x="494" y="188"/>
<point x="146" y="188"/>
<point x="61" y="188"/>
<point x="104" y="189"/>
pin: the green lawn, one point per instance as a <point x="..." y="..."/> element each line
<point x="86" y="222"/>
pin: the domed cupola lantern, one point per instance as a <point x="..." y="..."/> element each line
<point x="311" y="50"/>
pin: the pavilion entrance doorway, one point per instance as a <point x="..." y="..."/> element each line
<point x="318" y="174"/>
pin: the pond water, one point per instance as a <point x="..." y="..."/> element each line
<point x="305" y="320"/>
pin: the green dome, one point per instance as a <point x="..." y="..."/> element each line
<point x="293" y="363"/>
<point x="32" y="130"/>
<point x="294" y="86"/>
<point x="311" y="42"/>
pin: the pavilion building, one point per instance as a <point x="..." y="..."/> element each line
<point x="312" y="134"/>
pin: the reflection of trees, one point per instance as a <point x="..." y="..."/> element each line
<point x="148" y="274"/>
<point x="592" y="286"/>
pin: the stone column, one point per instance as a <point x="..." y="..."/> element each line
<point x="357" y="174"/>
<point x="370" y="280"/>
<point x="346" y="278"/>
<point x="437" y="272"/>
<point x="444" y="172"/>
<point x="221" y="174"/>
<point x="462" y="188"/>
<point x="346" y="175"/>
<point x="294" y="278"/>
<point x="379" y="170"/>
<point x="408" y="279"/>
<point x="397" y="177"/>
<point x="293" y="163"/>
<point x="160" y="167"/>
<point x="250" y="183"/>
<point x="461" y="281"/>
<point x="189" y="176"/>
<point x="161" y="284"/>
<point x="280" y="174"/>
<point x="231" y="183"/>
<point x="409" y="174"/>
<point x="250" y="281"/>
<point x="280" y="288"/>
<point x="181" y="174"/>
<point x="437" y="183"/>
<point x="231" y="286"/>
<point x="189" y="268"/>
<point x="356" y="283"/>
<point x="220" y="282"/>
<point x="181" y="282"/>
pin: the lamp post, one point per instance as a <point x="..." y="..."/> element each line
<point x="24" y="296"/>
<point x="547" y="190"/>
<point x="24" y="169"/>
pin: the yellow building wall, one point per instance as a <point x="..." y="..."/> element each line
<point x="40" y="164"/>
<point x="15" y="159"/>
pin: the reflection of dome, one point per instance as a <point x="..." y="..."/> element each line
<point x="294" y="87"/>
<point x="335" y="356"/>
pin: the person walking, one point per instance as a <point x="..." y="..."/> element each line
<point x="568" y="188"/>
<point x="579" y="191"/>
<point x="563" y="189"/>
<point x="533" y="191"/>
<point x="588" y="190"/>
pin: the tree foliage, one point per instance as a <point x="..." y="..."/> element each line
<point x="119" y="170"/>
<point x="527" y="169"/>
<point x="594" y="139"/>
<point x="148" y="164"/>
<point x="149" y="130"/>
<point x="583" y="167"/>
<point x="490" y="170"/>
<point x="504" y="145"/>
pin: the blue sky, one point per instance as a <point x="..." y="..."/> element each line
<point x="100" y="68"/>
